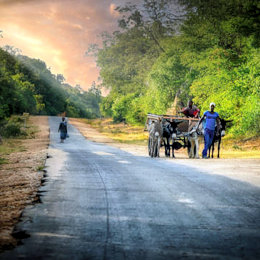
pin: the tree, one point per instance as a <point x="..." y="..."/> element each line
<point x="12" y="50"/>
<point x="221" y="43"/>
<point x="27" y="85"/>
<point x="127" y="56"/>
<point x="60" y="78"/>
<point x="208" y="51"/>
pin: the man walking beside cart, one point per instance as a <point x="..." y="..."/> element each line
<point x="211" y="119"/>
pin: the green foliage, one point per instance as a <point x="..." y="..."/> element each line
<point x="135" y="113"/>
<point x="168" y="77"/>
<point x="125" y="62"/>
<point x="121" y="107"/>
<point x="39" y="103"/>
<point x="236" y="93"/>
<point x="12" y="129"/>
<point x="16" y="119"/>
<point x="249" y="120"/>
<point x="127" y="57"/>
<point x="213" y="57"/>
<point x="71" y="111"/>
<point x="27" y="85"/>
<point x="106" y="106"/>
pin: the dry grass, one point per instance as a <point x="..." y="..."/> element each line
<point x="240" y="148"/>
<point x="120" y="132"/>
<point x="10" y="146"/>
<point x="20" y="176"/>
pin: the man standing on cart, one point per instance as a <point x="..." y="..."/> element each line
<point x="191" y="110"/>
<point x="211" y="119"/>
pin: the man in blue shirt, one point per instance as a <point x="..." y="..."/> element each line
<point x="211" y="119"/>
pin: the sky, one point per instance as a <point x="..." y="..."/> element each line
<point x="59" y="33"/>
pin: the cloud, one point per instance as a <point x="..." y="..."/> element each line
<point x="58" y="32"/>
<point x="11" y="2"/>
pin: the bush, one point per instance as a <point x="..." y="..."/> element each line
<point x="16" y="119"/>
<point x="121" y="107"/>
<point x="248" y="121"/>
<point x="106" y="106"/>
<point x="136" y="115"/>
<point x="13" y="129"/>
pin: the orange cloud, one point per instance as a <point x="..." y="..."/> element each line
<point x="58" y="32"/>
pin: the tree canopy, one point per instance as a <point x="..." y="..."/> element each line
<point x="205" y="50"/>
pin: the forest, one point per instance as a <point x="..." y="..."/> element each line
<point x="205" y="50"/>
<point x="28" y="86"/>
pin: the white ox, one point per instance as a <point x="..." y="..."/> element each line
<point x="155" y="138"/>
<point x="193" y="139"/>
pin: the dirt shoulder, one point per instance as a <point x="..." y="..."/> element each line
<point x="21" y="177"/>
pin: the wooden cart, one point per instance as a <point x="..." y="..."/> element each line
<point x="183" y="129"/>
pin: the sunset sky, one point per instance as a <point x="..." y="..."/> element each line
<point x="59" y="32"/>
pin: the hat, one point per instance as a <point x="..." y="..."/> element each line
<point x="212" y="103"/>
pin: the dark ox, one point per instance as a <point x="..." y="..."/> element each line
<point x="169" y="134"/>
<point x="218" y="136"/>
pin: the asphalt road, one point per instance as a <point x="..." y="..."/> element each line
<point x="99" y="202"/>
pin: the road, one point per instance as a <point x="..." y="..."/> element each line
<point x="99" y="202"/>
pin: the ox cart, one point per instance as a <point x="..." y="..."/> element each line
<point x="172" y="132"/>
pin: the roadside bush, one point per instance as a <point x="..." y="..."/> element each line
<point x="13" y="129"/>
<point x="135" y="115"/>
<point x="248" y="121"/>
<point x="16" y="119"/>
<point x="106" y="106"/>
<point x="121" y="107"/>
<point x="2" y="126"/>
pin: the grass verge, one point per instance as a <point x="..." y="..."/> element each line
<point x="120" y="132"/>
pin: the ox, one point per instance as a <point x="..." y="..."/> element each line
<point x="155" y="138"/>
<point x="218" y="136"/>
<point x="193" y="141"/>
<point x="169" y="134"/>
